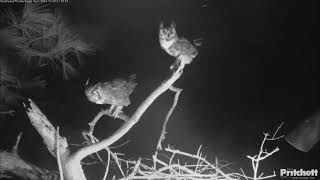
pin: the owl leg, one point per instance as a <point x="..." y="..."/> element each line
<point x="112" y="109"/>
<point x="117" y="110"/>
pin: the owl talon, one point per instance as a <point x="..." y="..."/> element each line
<point x="115" y="111"/>
<point x="111" y="110"/>
<point x="115" y="115"/>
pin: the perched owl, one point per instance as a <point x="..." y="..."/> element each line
<point x="180" y="48"/>
<point x="115" y="92"/>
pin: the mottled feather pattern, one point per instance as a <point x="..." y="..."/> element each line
<point x="115" y="92"/>
<point x="180" y="48"/>
<point x="183" y="46"/>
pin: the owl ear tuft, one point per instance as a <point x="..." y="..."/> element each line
<point x="161" y="24"/>
<point x="87" y="82"/>
<point x="173" y="24"/>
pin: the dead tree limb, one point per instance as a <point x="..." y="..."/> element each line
<point x="71" y="163"/>
<point x="90" y="149"/>
<point x="71" y="166"/>
<point x="175" y="102"/>
<point x="46" y="130"/>
<point x="12" y="164"/>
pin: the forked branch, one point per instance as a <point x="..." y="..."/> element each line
<point x="92" y="148"/>
<point x="9" y="112"/>
<point x="263" y="154"/>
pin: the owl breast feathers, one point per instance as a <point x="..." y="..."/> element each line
<point x="177" y="47"/>
<point x="182" y="47"/>
<point x="115" y="92"/>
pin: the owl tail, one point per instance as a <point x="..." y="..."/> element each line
<point x="131" y="83"/>
<point x="132" y="78"/>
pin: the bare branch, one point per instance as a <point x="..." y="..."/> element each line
<point x="92" y="126"/>
<point x="107" y="167"/>
<point x="201" y="159"/>
<point x="10" y="112"/>
<point x="15" y="147"/>
<point x="175" y="102"/>
<point x="93" y="123"/>
<point x="46" y="129"/>
<point x="85" y="151"/>
<point x="275" y="133"/>
<point x="263" y="154"/>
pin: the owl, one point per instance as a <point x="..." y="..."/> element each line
<point x="115" y="93"/>
<point x="180" y="48"/>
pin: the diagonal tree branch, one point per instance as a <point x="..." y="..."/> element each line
<point x="88" y="134"/>
<point x="92" y="148"/>
<point x="92" y="125"/>
<point x="71" y="163"/>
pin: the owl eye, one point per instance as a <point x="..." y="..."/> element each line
<point x="94" y="92"/>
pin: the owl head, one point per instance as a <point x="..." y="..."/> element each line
<point x="93" y="93"/>
<point x="167" y="33"/>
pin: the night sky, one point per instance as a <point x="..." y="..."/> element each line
<point x="258" y="66"/>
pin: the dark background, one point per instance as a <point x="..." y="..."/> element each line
<point x="258" y="66"/>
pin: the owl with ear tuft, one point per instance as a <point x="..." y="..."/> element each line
<point x="180" y="48"/>
<point x="116" y="93"/>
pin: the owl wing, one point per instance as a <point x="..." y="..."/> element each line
<point x="131" y="84"/>
<point x="121" y="89"/>
<point x="125" y="86"/>
<point x="183" y="46"/>
<point x="120" y="97"/>
<point x="109" y="94"/>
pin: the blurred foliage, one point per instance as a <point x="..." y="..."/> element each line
<point x="16" y="86"/>
<point x="41" y="37"/>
